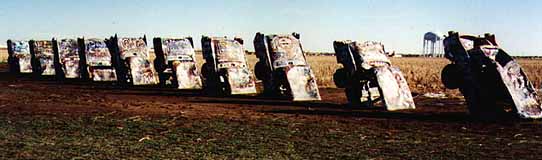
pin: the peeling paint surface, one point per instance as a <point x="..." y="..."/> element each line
<point x="520" y="88"/>
<point x="21" y="51"/>
<point x="302" y="83"/>
<point x="142" y="71"/>
<point x="178" y="49"/>
<point x="372" y="54"/>
<point x="103" y="74"/>
<point x="229" y="52"/>
<point x="230" y="56"/>
<point x="98" y="56"/>
<point x="183" y="56"/>
<point x="130" y="47"/>
<point x="97" y="53"/>
<point x="135" y="53"/>
<point x="45" y="56"/>
<point x="241" y="80"/>
<point x="394" y="88"/>
<point x="187" y="75"/>
<point x="286" y="51"/>
<point x="68" y="51"/>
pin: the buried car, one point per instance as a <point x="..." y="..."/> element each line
<point x="488" y="77"/>
<point x="368" y="76"/>
<point x="67" y="51"/>
<point x="19" y="57"/>
<point x="176" y="63"/>
<point x="225" y="70"/>
<point x="135" y="66"/>
<point x="283" y="68"/>
<point x="43" y="57"/>
<point x="98" y="64"/>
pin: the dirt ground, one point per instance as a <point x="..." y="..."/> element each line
<point x="49" y="119"/>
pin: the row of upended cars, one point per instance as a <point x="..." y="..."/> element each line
<point x="483" y="72"/>
<point x="127" y="61"/>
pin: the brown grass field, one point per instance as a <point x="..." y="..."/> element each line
<point x="46" y="119"/>
<point x="3" y="54"/>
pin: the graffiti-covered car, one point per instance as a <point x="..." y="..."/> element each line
<point x="488" y="77"/>
<point x="283" y="68"/>
<point x="135" y="66"/>
<point x="98" y="63"/>
<point x="225" y="70"/>
<point x="19" y="57"/>
<point x="43" y="57"/>
<point x="68" y="58"/>
<point x="369" y="77"/>
<point x="176" y="63"/>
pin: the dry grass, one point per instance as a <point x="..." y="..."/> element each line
<point x="422" y="74"/>
<point x="3" y="55"/>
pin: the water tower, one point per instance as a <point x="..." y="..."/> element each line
<point x="432" y="45"/>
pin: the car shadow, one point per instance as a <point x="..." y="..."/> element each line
<point x="406" y="115"/>
<point x="275" y="102"/>
<point x="455" y="117"/>
<point x="276" y="105"/>
<point x="343" y="111"/>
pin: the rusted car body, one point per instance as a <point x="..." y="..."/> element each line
<point x="225" y="70"/>
<point x="135" y="66"/>
<point x="19" y="57"/>
<point x="98" y="63"/>
<point x="43" y="57"/>
<point x="369" y="77"/>
<point x="488" y="77"/>
<point x="176" y="63"/>
<point x="67" y="51"/>
<point x="283" y="68"/>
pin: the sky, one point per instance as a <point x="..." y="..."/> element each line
<point x="399" y="24"/>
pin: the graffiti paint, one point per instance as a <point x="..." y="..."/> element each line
<point x="21" y="51"/>
<point x="372" y="54"/>
<point x="520" y="88"/>
<point x="142" y="71"/>
<point x="130" y="47"/>
<point x="187" y="75"/>
<point x="68" y="51"/>
<point x="231" y="56"/>
<point x="232" y="66"/>
<point x="135" y="53"/>
<point x="302" y="83"/>
<point x="183" y="57"/>
<point x="103" y="74"/>
<point x="98" y="56"/>
<point x="97" y="53"/>
<point x="229" y="52"/>
<point x="178" y="49"/>
<point x="44" y="54"/>
<point x="472" y="60"/>
<point x="394" y="88"/>
<point x="241" y="80"/>
<point x="286" y="51"/>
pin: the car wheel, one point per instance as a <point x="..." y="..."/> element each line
<point x="259" y="70"/>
